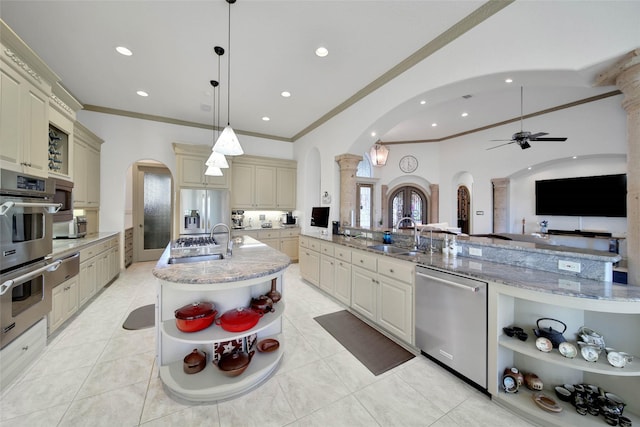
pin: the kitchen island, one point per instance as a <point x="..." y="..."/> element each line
<point x="229" y="283"/>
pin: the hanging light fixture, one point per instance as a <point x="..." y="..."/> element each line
<point x="378" y="154"/>
<point x="228" y="143"/>
<point x="216" y="160"/>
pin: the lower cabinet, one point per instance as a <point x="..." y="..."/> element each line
<point x="88" y="279"/>
<point x="64" y="303"/>
<point x="21" y="352"/>
<point x="309" y="259"/>
<point x="364" y="291"/>
<point x="284" y="240"/>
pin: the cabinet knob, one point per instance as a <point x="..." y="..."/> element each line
<point x="25" y="348"/>
<point x="391" y="270"/>
<point x="361" y="261"/>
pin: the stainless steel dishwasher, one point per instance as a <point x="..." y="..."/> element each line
<point x="451" y="322"/>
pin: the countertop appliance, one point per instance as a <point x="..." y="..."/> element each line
<point x="202" y="209"/>
<point x="237" y="216"/>
<point x="74" y="229"/>
<point x="451" y="322"/>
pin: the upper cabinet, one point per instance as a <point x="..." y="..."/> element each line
<point x="62" y="115"/>
<point x="263" y="183"/>
<point x="86" y="168"/>
<point x="190" y="160"/>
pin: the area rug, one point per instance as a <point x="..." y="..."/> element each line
<point x="141" y="318"/>
<point x="375" y="351"/>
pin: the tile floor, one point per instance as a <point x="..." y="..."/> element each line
<point x="94" y="373"/>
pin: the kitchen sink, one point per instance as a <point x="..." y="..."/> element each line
<point x="410" y="253"/>
<point x="194" y="258"/>
<point x="388" y="249"/>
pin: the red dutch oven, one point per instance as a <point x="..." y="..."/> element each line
<point x="196" y="316"/>
<point x="238" y="319"/>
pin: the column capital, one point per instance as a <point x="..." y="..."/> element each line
<point x="625" y="74"/>
<point x="348" y="161"/>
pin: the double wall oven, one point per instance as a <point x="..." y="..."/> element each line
<point x="26" y="219"/>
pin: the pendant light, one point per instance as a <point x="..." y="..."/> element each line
<point x="216" y="159"/>
<point x="228" y="143"/>
<point x="378" y="154"/>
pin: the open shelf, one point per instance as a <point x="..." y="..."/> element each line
<point x="210" y="384"/>
<point x="602" y="366"/>
<point x="216" y="333"/>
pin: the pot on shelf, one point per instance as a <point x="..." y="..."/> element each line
<point x="551" y="334"/>
<point x="238" y="319"/>
<point x="233" y="364"/>
<point x="262" y="304"/>
<point x="194" y="362"/>
<point x="196" y="316"/>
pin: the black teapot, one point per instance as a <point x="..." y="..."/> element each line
<point x="554" y="336"/>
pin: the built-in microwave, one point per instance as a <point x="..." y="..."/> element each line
<point x="64" y="196"/>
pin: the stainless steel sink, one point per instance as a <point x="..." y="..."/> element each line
<point x="194" y="258"/>
<point x="388" y="249"/>
<point x="410" y="253"/>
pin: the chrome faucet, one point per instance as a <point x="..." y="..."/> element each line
<point x="228" y="233"/>
<point x="416" y="236"/>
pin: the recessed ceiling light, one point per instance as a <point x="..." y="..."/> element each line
<point x="508" y="80"/>
<point x="575" y="157"/>
<point x="434" y="124"/>
<point x="529" y="168"/>
<point x="423" y="102"/>
<point x="464" y="114"/>
<point x="322" y="52"/>
<point x="142" y="93"/>
<point x="123" y="51"/>
<point x="266" y="119"/>
<point x="373" y="134"/>
<point x="285" y="94"/>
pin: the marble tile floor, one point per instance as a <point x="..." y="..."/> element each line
<point x="95" y="373"/>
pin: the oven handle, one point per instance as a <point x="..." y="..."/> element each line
<point x="51" y="207"/>
<point x="28" y="276"/>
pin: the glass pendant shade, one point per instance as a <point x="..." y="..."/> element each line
<point x="213" y="171"/>
<point x="228" y="143"/>
<point x="217" y="160"/>
<point x="379" y="154"/>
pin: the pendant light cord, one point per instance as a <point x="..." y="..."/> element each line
<point x="229" y="70"/>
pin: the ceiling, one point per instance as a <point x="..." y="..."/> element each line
<point x="272" y="50"/>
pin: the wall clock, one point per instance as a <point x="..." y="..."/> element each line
<point x="408" y="164"/>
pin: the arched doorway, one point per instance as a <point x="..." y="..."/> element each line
<point x="464" y="206"/>
<point x="408" y="201"/>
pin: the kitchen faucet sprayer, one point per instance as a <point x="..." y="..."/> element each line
<point x="416" y="236"/>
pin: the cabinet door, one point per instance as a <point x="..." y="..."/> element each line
<point x="265" y="187"/>
<point x="243" y="178"/>
<point x="342" y="287"/>
<point x="80" y="184"/>
<point x="286" y="188"/>
<point x="10" y="111"/>
<point x="396" y="311"/>
<point x="37" y="132"/>
<point x="289" y="246"/>
<point x="93" y="177"/>
<point x="327" y="273"/>
<point x="310" y="266"/>
<point x="364" y="292"/>
<point x="56" y="315"/>
<point x="191" y="174"/>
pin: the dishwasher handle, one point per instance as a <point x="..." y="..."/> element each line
<point x="450" y="283"/>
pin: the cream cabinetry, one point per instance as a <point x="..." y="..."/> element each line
<point x="309" y="257"/>
<point x="99" y="265"/>
<point x="21" y="352"/>
<point x="64" y="303"/>
<point x="62" y="115"/>
<point x="327" y="268"/>
<point x="190" y="159"/>
<point x="86" y="168"/>
<point x="88" y="280"/>
<point x="614" y="319"/>
<point x="284" y="240"/>
<point x="263" y="183"/>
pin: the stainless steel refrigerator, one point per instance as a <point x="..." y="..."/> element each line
<point x="202" y="209"/>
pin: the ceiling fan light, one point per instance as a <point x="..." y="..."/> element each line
<point x="228" y="143"/>
<point x="378" y="154"/>
<point x="217" y="160"/>
<point x="213" y="171"/>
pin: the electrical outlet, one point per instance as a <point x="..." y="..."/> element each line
<point x="475" y="251"/>
<point x="569" y="266"/>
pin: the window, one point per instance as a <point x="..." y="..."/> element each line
<point x="364" y="167"/>
<point x="408" y="201"/>
<point x="364" y="201"/>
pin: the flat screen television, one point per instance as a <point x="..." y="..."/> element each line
<point x="320" y="217"/>
<point x="604" y="195"/>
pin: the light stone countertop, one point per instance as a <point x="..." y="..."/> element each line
<point x="511" y="275"/>
<point x="64" y="246"/>
<point x="251" y="259"/>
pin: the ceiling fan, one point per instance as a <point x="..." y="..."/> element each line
<point x="523" y="138"/>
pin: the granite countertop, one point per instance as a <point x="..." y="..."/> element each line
<point x="251" y="259"/>
<point x="275" y="227"/>
<point x="62" y="246"/>
<point x="521" y="277"/>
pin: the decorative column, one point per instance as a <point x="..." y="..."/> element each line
<point x="348" y="166"/>
<point x="625" y="74"/>
<point x="500" y="205"/>
<point x="384" y="205"/>
<point x="434" y="206"/>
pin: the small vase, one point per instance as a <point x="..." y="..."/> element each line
<point x="273" y="293"/>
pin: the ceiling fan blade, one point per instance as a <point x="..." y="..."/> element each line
<point x="511" y="142"/>
<point x="549" y="139"/>
<point x="501" y="140"/>
<point x="536" y="135"/>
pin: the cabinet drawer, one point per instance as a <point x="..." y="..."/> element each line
<point x="364" y="260"/>
<point x="326" y="249"/>
<point x="289" y="232"/>
<point x="396" y="270"/>
<point x="304" y="241"/>
<point x="343" y="254"/>
<point x="314" y="245"/>
<point x="271" y="234"/>
<point x="20" y="353"/>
